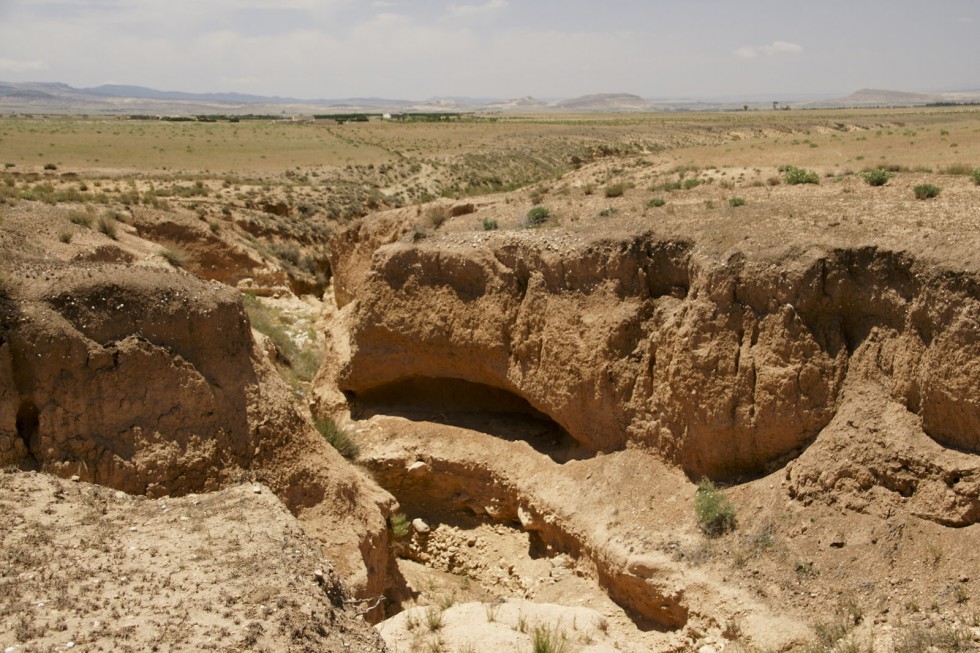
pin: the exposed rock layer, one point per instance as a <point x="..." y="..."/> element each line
<point x="724" y="365"/>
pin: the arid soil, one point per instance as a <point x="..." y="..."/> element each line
<point x="574" y="380"/>
<point x="93" y="569"/>
<point x="531" y="407"/>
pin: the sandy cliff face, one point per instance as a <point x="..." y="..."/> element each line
<point x="724" y="364"/>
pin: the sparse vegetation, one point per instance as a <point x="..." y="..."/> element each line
<point x="615" y="190"/>
<point x="174" y="256"/>
<point x="338" y="438"/>
<point x="437" y="215"/>
<point x="549" y="639"/>
<point x="489" y="225"/>
<point x="656" y="202"/>
<point x="107" y="226"/>
<point x="433" y="618"/>
<point x="399" y="525"/>
<point x="538" y="216"/>
<point x="65" y="236"/>
<point x="877" y="177"/>
<point x="715" y="513"/>
<point x="926" y="191"/>
<point x="794" y="176"/>
<point x="736" y="201"/>
<point x="975" y="176"/>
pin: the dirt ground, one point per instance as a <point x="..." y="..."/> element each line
<point x="536" y="512"/>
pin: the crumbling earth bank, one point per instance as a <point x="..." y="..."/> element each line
<point x="724" y="365"/>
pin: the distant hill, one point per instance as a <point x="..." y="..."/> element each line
<point x="605" y="102"/>
<point x="118" y="99"/>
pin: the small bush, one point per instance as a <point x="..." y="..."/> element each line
<point x="736" y="201"/>
<point x="436" y="215"/>
<point x="794" y="176"/>
<point x="605" y="213"/>
<point x="50" y="166"/>
<point x="433" y="618"/>
<point x="489" y="225"/>
<point x="656" y="202"/>
<point x="975" y="176"/>
<point x="399" y="525"/>
<point x="79" y="218"/>
<point x="714" y="511"/>
<point x="338" y="438"/>
<point x="64" y="236"/>
<point x="538" y="216"/>
<point x="174" y="256"/>
<point x="877" y="177"/>
<point x="693" y="182"/>
<point x="926" y="191"/>
<point x="615" y="190"/>
<point x="107" y="226"/>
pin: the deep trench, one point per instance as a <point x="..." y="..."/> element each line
<point x="465" y="495"/>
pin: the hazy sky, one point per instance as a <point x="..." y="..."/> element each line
<point x="415" y="49"/>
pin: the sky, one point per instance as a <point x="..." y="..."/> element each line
<point x="418" y="49"/>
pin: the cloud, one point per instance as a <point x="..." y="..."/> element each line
<point x="18" y="66"/>
<point x="469" y="10"/>
<point x="965" y="20"/>
<point x="776" y="48"/>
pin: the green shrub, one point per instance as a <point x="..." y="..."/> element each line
<point x="538" y="216"/>
<point x="926" y="191"/>
<point x="399" y="525"/>
<point x="693" y="182"/>
<point x="615" y="190"/>
<point x="736" y="201"/>
<point x="877" y="177"/>
<point x="656" y="202"/>
<point x="975" y="175"/>
<point x="50" y="166"/>
<point x="64" y="236"/>
<point x="793" y="176"/>
<point x="714" y="511"/>
<point x="338" y="438"/>
<point x="489" y="225"/>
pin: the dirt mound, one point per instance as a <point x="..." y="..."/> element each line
<point x="86" y="567"/>
<point x="143" y="378"/>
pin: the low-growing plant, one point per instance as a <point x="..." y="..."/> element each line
<point x="338" y="438"/>
<point x="793" y="175"/>
<point x="656" y="202"/>
<point x="714" y="511"/>
<point x="433" y="618"/>
<point x="538" y="216"/>
<point x="693" y="182"/>
<point x="436" y="215"/>
<point x="64" y="236"/>
<point x="736" y="201"/>
<point x="877" y="177"/>
<point x="489" y="225"/>
<point x="615" y="190"/>
<point x="107" y="226"/>
<point x="975" y="176"/>
<point x="606" y="212"/>
<point x="50" y="166"/>
<point x="79" y="218"/>
<point x="399" y="525"/>
<point x="174" y="256"/>
<point x="926" y="191"/>
<point x="548" y="639"/>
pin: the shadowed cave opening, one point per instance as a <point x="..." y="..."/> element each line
<point x="472" y="406"/>
<point x="28" y="423"/>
